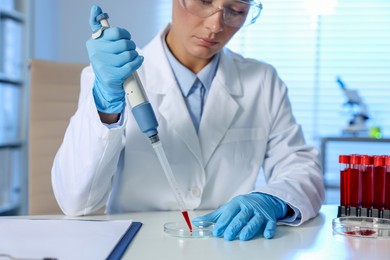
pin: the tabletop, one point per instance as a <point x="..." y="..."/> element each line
<point x="313" y="239"/>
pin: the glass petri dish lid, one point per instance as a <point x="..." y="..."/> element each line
<point x="363" y="227"/>
<point x="200" y="229"/>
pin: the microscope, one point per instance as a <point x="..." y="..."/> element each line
<point x="357" y="124"/>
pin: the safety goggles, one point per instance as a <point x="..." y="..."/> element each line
<point x="236" y="13"/>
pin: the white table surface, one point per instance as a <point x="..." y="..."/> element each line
<point x="312" y="240"/>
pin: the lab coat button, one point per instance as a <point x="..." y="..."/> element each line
<point x="195" y="192"/>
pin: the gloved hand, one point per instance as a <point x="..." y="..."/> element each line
<point x="114" y="59"/>
<point x="246" y="215"/>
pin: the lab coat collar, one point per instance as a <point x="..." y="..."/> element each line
<point x="227" y="74"/>
<point x="221" y="106"/>
<point x="164" y="78"/>
<point x="163" y="83"/>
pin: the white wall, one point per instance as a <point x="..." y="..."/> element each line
<point x="60" y="28"/>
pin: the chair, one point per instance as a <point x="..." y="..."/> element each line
<point x="54" y="91"/>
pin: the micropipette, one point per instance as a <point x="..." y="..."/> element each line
<point x="146" y="120"/>
<point x="140" y="106"/>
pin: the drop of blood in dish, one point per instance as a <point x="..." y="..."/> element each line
<point x="366" y="232"/>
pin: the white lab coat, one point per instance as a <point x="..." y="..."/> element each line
<point x="247" y="124"/>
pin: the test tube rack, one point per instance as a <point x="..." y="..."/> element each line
<point x="344" y="211"/>
<point x="364" y="186"/>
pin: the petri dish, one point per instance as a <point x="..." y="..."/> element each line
<point x="201" y="229"/>
<point x="362" y="227"/>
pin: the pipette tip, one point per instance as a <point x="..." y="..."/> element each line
<point x="187" y="219"/>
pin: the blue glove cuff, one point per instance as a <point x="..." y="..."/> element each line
<point x="283" y="207"/>
<point x="279" y="204"/>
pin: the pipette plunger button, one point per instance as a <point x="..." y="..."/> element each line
<point x="101" y="17"/>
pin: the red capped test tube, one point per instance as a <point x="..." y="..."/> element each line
<point x="379" y="182"/>
<point x="345" y="192"/>
<point x="387" y="186"/>
<point x="367" y="169"/>
<point x="356" y="181"/>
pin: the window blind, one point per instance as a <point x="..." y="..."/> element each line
<point x="310" y="49"/>
<point x="311" y="42"/>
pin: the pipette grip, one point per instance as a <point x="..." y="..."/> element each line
<point x="140" y="106"/>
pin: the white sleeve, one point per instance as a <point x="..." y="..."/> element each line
<point x="292" y="168"/>
<point x="88" y="158"/>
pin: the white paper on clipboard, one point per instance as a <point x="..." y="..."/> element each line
<point x="61" y="239"/>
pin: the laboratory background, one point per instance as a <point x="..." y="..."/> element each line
<point x="334" y="56"/>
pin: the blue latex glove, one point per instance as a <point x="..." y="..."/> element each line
<point x="246" y="216"/>
<point x="114" y="59"/>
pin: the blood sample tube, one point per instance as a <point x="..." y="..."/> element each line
<point x="345" y="197"/>
<point x="367" y="170"/>
<point x="379" y="182"/>
<point x="387" y="186"/>
<point x="356" y="181"/>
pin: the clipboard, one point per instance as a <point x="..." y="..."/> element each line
<point x="125" y="241"/>
<point x="66" y="238"/>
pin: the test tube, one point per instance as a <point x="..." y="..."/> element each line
<point x="387" y="186"/>
<point x="367" y="170"/>
<point x="379" y="182"/>
<point x="356" y="181"/>
<point x="345" y="198"/>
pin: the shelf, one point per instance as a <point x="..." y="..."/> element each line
<point x="14" y="55"/>
<point x="343" y="139"/>
<point x="11" y="14"/>
<point x="6" y="79"/>
<point x="11" y="144"/>
<point x="9" y="209"/>
<point x="354" y="139"/>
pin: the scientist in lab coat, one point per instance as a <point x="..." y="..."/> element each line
<point x="245" y="124"/>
